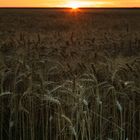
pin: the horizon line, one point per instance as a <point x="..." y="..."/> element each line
<point x="28" y="7"/>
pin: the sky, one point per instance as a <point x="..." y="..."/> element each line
<point x="69" y="3"/>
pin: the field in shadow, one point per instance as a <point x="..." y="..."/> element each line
<point x="69" y="75"/>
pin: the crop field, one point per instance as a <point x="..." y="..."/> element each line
<point x="69" y="74"/>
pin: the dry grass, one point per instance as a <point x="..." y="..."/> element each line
<point x="67" y="91"/>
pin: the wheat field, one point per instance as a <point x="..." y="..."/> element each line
<point x="69" y="75"/>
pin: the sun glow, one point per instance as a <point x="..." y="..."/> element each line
<point x="74" y="5"/>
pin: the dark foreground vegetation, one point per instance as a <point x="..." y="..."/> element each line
<point x="69" y="76"/>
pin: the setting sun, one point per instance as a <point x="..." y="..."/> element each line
<point x="77" y="4"/>
<point x="74" y="5"/>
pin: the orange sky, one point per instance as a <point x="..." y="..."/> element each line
<point x="67" y="3"/>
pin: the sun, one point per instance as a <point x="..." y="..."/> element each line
<point x="74" y="5"/>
